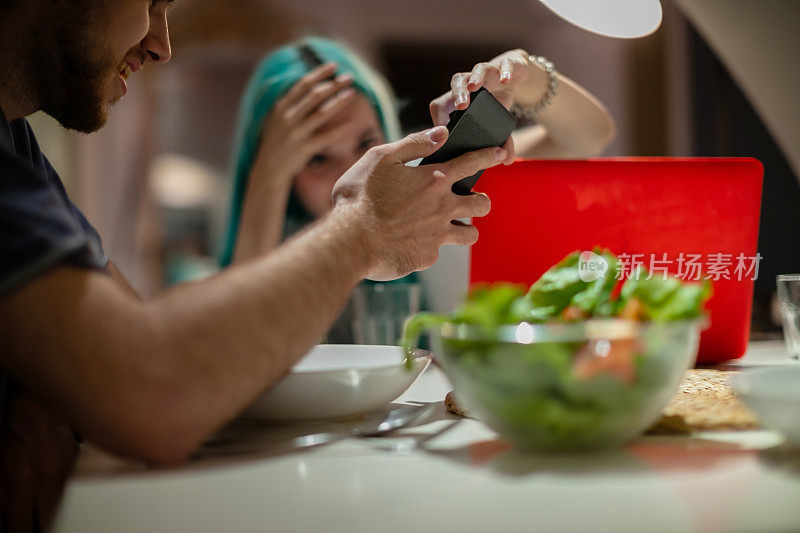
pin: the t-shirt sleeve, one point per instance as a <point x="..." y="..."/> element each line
<point x="92" y="254"/>
<point x="37" y="227"/>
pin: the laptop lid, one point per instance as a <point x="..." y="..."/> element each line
<point x="691" y="217"/>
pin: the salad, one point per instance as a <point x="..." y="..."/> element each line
<point x="561" y="295"/>
<point x="577" y="392"/>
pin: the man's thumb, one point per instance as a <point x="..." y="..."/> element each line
<point x="421" y="144"/>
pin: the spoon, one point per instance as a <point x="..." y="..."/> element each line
<point x="238" y="443"/>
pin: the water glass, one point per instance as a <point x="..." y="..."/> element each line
<point x="789" y="298"/>
<point x="381" y="309"/>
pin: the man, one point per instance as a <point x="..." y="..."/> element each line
<point x="152" y="379"/>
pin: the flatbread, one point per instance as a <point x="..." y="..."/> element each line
<point x="704" y="402"/>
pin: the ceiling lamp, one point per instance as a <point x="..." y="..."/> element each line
<point x="624" y="19"/>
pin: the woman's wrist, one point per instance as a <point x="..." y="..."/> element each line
<point x="539" y="89"/>
<point x="272" y="170"/>
<point x="535" y="86"/>
<point x="262" y="210"/>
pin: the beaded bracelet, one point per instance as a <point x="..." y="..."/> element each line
<point x="528" y="113"/>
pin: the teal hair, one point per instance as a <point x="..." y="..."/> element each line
<point x="274" y="76"/>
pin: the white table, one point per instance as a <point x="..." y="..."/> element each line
<point x="463" y="480"/>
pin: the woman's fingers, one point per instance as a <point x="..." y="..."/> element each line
<point x="476" y="76"/>
<point x="458" y="86"/>
<point x="316" y="96"/>
<point x="493" y="75"/>
<point x="300" y="88"/>
<point x="441" y="109"/>
<point x="484" y="75"/>
<point x="506" y="70"/>
<point x="324" y="138"/>
<point x="327" y="110"/>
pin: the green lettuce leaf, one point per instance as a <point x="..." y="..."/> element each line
<point x="666" y="298"/>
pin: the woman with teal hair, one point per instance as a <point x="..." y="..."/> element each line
<point x="310" y="111"/>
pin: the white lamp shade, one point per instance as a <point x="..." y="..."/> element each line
<point x="626" y="19"/>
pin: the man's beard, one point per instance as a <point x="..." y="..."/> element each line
<point x="69" y="78"/>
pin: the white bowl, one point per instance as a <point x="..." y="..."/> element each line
<point x="336" y="381"/>
<point x="773" y="394"/>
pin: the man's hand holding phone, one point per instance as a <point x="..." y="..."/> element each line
<point x="406" y="212"/>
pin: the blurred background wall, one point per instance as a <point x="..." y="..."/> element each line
<point x="155" y="181"/>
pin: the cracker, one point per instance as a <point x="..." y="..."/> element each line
<point x="705" y="402"/>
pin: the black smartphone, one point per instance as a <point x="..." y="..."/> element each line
<point x="484" y="124"/>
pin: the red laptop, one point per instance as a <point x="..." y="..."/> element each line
<point x="692" y="217"/>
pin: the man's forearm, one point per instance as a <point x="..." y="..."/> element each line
<point x="152" y="379"/>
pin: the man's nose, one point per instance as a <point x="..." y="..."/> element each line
<point x="156" y="43"/>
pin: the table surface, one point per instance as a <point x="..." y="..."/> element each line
<point x="451" y="474"/>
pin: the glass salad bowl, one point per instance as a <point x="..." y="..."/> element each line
<point x="585" y="385"/>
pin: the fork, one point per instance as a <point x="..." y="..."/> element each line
<point x="395" y="419"/>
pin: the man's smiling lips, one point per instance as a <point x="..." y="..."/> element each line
<point x="128" y="67"/>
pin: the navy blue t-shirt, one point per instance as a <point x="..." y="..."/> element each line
<point x="39" y="226"/>
<point x="40" y="229"/>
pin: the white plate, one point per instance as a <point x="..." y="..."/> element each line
<point x="337" y="381"/>
<point x="773" y="394"/>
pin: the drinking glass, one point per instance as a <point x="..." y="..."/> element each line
<point x="381" y="309"/>
<point x="789" y="298"/>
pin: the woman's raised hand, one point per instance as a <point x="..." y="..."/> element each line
<point x="296" y="128"/>
<point x="503" y="76"/>
<point x="292" y="132"/>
